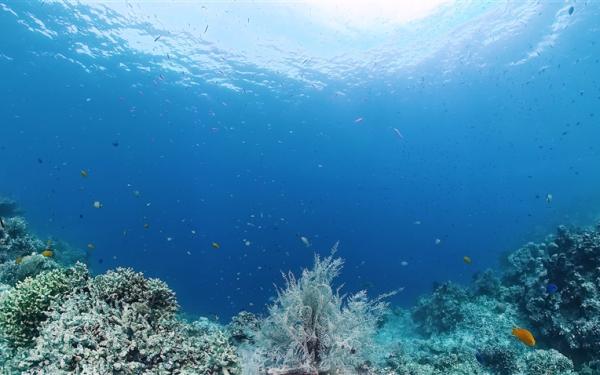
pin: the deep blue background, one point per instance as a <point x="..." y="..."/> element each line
<point x="480" y="152"/>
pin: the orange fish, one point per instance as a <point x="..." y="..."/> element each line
<point x="524" y="335"/>
<point x="47" y="253"/>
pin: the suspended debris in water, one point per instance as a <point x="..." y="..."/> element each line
<point x="549" y="198"/>
<point x="157" y="38"/>
<point x="438" y="241"/>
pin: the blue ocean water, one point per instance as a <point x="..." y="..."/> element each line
<point x="464" y="132"/>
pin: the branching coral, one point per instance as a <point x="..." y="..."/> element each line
<point x="123" y="323"/>
<point x="312" y="328"/>
<point x="25" y="307"/>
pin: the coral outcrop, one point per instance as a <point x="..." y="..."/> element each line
<point x="568" y="320"/>
<point x="124" y="323"/>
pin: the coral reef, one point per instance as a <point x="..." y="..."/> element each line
<point x="61" y="320"/>
<point x="29" y="266"/>
<point x="569" y="319"/>
<point x="8" y="208"/>
<point x="20" y="252"/>
<point x="123" y="323"/>
<point x="16" y="241"/>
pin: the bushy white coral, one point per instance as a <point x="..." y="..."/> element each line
<point x="312" y="328"/>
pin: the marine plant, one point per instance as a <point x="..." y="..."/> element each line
<point x="311" y="328"/>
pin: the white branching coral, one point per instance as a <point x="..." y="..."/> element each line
<point x="311" y="328"/>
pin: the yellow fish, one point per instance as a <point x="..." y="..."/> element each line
<point x="83" y="173"/>
<point x="524" y="335"/>
<point x="467" y="259"/>
<point x="47" y="253"/>
<point x="215" y="245"/>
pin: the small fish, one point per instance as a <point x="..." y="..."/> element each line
<point x="157" y="38"/>
<point x="83" y="173"/>
<point x="215" y="245"/>
<point x="398" y="133"/>
<point x="91" y="246"/>
<point x="19" y="260"/>
<point x="136" y="193"/>
<point x="115" y="144"/>
<point x="404" y="263"/>
<point x="438" y="241"/>
<point x="480" y="358"/>
<point x="467" y="259"/>
<point x="146" y="225"/>
<point x="305" y="241"/>
<point x="358" y="120"/>
<point x="206" y="29"/>
<point x="2" y="225"/>
<point x="97" y="204"/>
<point x="551" y="288"/>
<point x="40" y="161"/>
<point x="549" y="198"/>
<point x="47" y="253"/>
<point x="571" y="10"/>
<point x="524" y="335"/>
